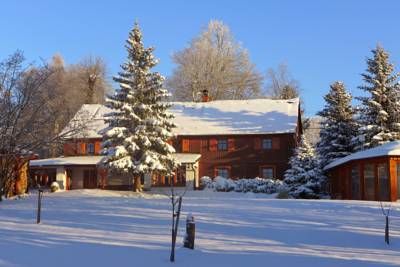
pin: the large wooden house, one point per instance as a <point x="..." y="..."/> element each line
<point x="230" y="138"/>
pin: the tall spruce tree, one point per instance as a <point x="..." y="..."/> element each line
<point x="379" y="118"/>
<point x="304" y="178"/>
<point x="135" y="142"/>
<point x="338" y="127"/>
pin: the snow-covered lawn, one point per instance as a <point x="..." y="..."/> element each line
<point x="108" y="228"/>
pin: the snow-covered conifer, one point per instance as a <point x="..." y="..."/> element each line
<point x="338" y="125"/>
<point x="140" y="125"/>
<point x="304" y="178"/>
<point x="379" y="118"/>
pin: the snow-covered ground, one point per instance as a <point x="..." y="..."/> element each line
<point x="109" y="228"/>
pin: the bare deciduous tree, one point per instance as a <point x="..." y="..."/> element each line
<point x="90" y="77"/>
<point x="214" y="61"/>
<point x="68" y="88"/>
<point x="24" y="114"/>
<point x="280" y="84"/>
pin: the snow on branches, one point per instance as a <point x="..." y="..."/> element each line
<point x="304" y="178"/>
<point x="338" y="127"/>
<point x="140" y="125"/>
<point x="380" y="111"/>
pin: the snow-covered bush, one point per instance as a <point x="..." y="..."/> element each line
<point x="256" y="185"/>
<point x="205" y="181"/>
<point x="223" y="185"/>
<point x="54" y="187"/>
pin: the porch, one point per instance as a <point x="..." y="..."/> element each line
<point x="84" y="172"/>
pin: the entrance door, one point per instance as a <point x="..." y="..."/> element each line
<point x="89" y="179"/>
<point x="69" y="179"/>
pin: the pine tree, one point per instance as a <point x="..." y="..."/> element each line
<point x="304" y="179"/>
<point x="380" y="111"/>
<point x="135" y="142"/>
<point x="338" y="127"/>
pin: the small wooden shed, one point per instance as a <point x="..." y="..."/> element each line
<point x="372" y="174"/>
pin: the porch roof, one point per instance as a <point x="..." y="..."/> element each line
<point x="94" y="160"/>
<point x="62" y="161"/>
<point x="186" y="157"/>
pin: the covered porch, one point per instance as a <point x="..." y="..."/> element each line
<point x="85" y="172"/>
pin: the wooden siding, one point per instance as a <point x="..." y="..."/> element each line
<point x="79" y="147"/>
<point x="244" y="155"/>
<point x="340" y="178"/>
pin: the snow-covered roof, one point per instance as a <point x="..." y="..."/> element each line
<point x="388" y="149"/>
<point x="223" y="117"/>
<point x="64" y="161"/>
<point x="186" y="157"/>
<point x="94" y="160"/>
<point x="255" y="116"/>
<point x="90" y="118"/>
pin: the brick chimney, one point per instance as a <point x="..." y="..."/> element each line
<point x="205" y="97"/>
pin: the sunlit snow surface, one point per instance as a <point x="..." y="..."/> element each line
<point x="109" y="228"/>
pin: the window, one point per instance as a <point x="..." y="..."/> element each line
<point x="355" y="182"/>
<point x="383" y="182"/>
<point x="222" y="144"/>
<point x="267" y="143"/>
<point x="369" y="177"/>
<point x="90" y="148"/>
<point x="267" y="172"/>
<point x="222" y="172"/>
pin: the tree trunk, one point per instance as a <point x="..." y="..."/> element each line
<point x="137" y="184"/>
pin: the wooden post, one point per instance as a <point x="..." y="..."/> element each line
<point x="387" y="230"/>
<point x="175" y="224"/>
<point x="190" y="232"/>
<point x="39" y="208"/>
<point x="137" y="184"/>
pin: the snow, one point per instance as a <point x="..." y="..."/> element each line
<point x="255" y="185"/>
<point x="388" y="149"/>
<point x="186" y="157"/>
<point x="62" y="161"/>
<point x="95" y="160"/>
<point x="103" y="228"/>
<point x="92" y="117"/>
<point x="254" y="116"/>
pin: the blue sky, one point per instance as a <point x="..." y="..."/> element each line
<point x="320" y="41"/>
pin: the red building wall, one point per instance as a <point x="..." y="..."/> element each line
<point x="244" y="156"/>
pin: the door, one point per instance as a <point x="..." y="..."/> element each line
<point x="89" y="179"/>
<point x="69" y="179"/>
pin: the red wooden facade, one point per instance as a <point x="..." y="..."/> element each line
<point x="243" y="156"/>
<point x="367" y="179"/>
